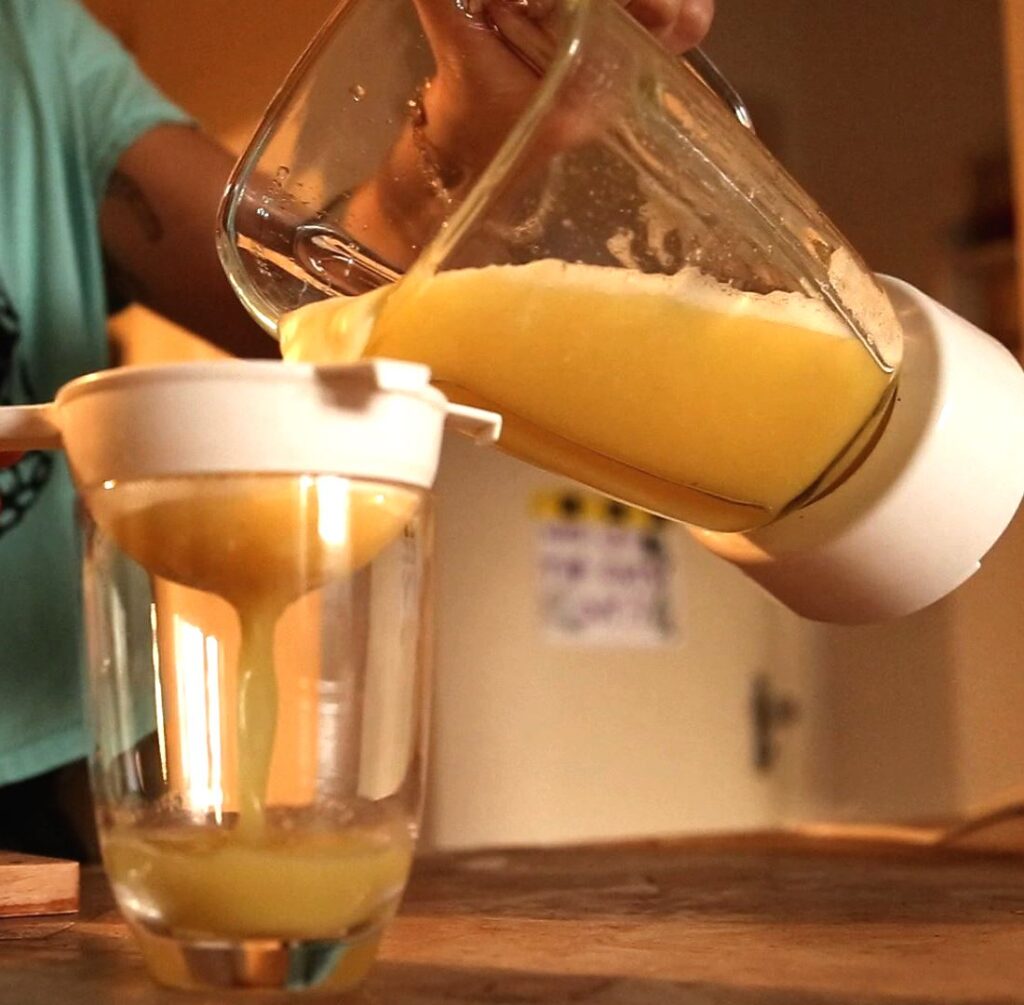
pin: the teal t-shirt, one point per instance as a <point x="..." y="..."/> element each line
<point x="71" y="101"/>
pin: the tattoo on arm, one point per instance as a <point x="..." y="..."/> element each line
<point x="124" y="288"/>
<point x="125" y="191"/>
<point x="126" y="195"/>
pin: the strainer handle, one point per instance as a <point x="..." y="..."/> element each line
<point x="480" y="425"/>
<point x="28" y="427"/>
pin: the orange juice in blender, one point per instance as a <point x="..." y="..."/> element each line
<point x="675" y="392"/>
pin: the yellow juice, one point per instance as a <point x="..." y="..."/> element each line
<point x="280" y="885"/>
<point x="260" y="543"/>
<point x="675" y="393"/>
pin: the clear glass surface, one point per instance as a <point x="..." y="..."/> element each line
<point x="573" y="230"/>
<point x="257" y="664"/>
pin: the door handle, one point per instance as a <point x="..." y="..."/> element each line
<point x="771" y="711"/>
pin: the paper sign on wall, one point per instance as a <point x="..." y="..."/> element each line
<point x="604" y="572"/>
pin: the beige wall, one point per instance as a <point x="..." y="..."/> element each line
<point x="537" y="742"/>
<point x="1013" y="25"/>
<point x="988" y="693"/>
<point x="989" y="626"/>
<point x="220" y="59"/>
<point x="879" y="108"/>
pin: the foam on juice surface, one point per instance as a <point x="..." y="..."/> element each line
<point x="677" y="393"/>
<point x="260" y="543"/>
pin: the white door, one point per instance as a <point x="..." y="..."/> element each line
<point x="535" y="742"/>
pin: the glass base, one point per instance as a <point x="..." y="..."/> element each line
<point x="204" y="964"/>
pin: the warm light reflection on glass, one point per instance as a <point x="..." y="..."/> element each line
<point x="333" y="512"/>
<point x="213" y="720"/>
<point x="197" y="664"/>
<point x="161" y="727"/>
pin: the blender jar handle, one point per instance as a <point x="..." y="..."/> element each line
<point x="28" y="427"/>
<point x="714" y="80"/>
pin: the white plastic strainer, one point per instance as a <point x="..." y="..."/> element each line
<point x="378" y="419"/>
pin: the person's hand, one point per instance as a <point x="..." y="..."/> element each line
<point x="481" y="85"/>
<point x="679" y="24"/>
<point x="479" y="90"/>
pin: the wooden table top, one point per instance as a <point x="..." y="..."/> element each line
<point x="753" y="921"/>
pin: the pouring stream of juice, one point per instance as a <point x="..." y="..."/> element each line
<point x="675" y="393"/>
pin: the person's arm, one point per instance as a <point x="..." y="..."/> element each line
<point x="158" y="222"/>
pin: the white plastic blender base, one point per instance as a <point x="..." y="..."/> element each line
<point x="936" y="492"/>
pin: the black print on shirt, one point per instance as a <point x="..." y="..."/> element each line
<point x="20" y="484"/>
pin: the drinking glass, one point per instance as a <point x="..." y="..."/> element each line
<point x="257" y="667"/>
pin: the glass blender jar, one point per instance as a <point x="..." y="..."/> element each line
<point x="574" y="231"/>
<point x="590" y="245"/>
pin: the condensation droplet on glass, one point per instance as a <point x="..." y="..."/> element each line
<point x="262" y="213"/>
<point x="281" y="176"/>
<point x="357" y="91"/>
<point x="473" y="9"/>
<point x="417" y="113"/>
